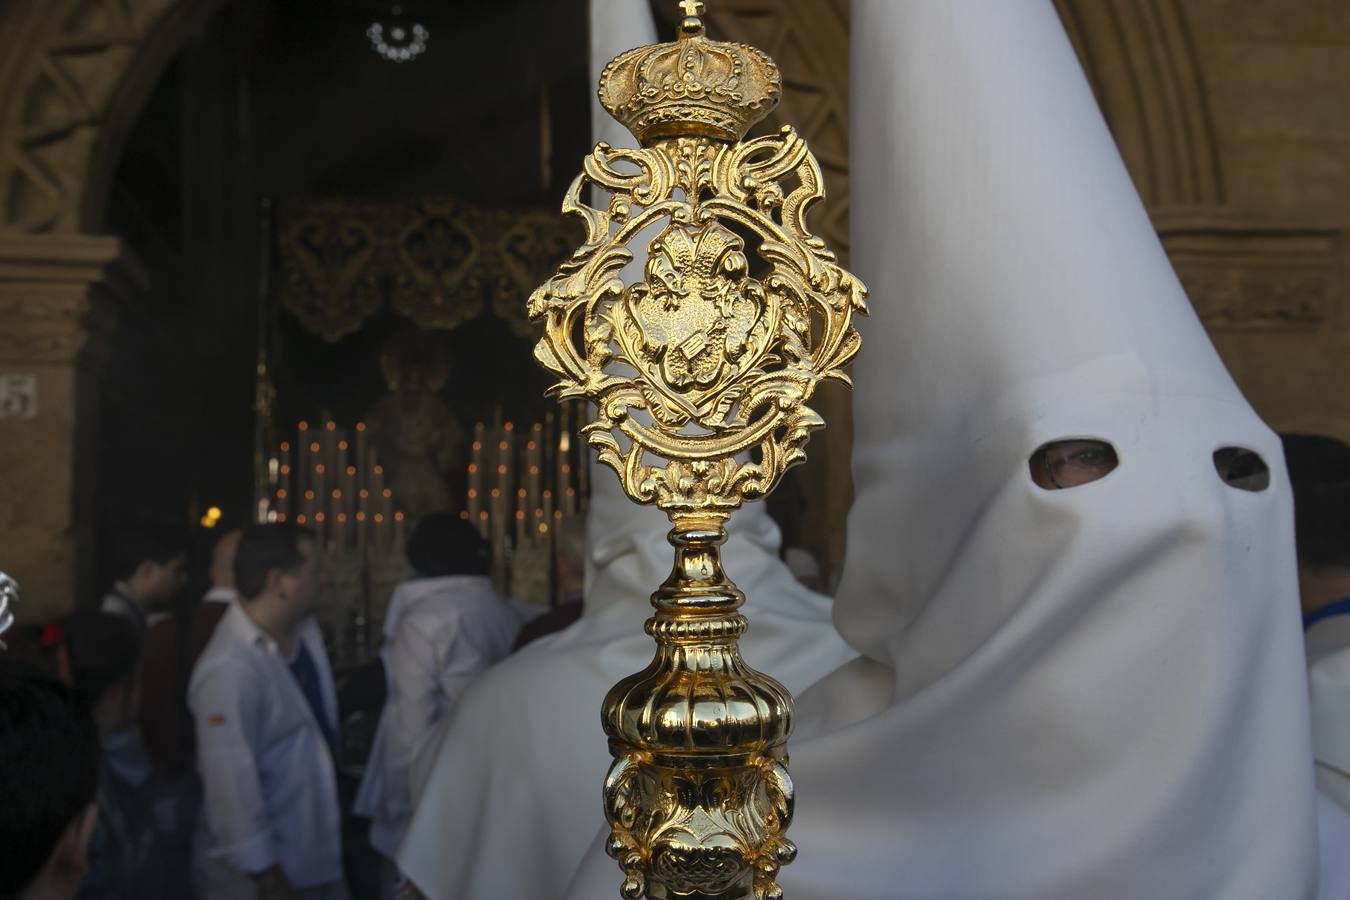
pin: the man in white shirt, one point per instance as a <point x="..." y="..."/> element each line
<point x="445" y="626"/>
<point x="265" y="710"/>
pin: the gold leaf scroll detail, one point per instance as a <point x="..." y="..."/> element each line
<point x="708" y="361"/>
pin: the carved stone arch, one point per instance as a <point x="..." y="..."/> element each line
<point x="1141" y="59"/>
<point x="75" y="77"/>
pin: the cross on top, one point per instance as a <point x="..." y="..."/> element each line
<point x="693" y="8"/>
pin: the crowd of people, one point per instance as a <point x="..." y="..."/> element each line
<point x="194" y="743"/>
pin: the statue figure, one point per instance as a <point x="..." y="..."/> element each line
<point x="416" y="434"/>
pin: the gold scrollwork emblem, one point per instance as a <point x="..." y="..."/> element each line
<point x="741" y="313"/>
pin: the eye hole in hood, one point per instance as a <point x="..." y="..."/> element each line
<point x="1070" y="463"/>
<point x="1242" y="469"/>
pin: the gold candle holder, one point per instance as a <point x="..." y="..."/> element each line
<point x="700" y="373"/>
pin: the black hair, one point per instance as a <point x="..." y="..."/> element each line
<point x="104" y="651"/>
<point x="49" y="768"/>
<point x="443" y="544"/>
<point x="263" y="548"/>
<point x="142" y="542"/>
<point x="1319" y="473"/>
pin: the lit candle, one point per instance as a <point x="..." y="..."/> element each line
<point x="330" y="441"/>
<point x="344" y="453"/>
<point x="362" y="467"/>
<point x="340" y="533"/>
<point x="361" y="536"/>
<point x="320" y="496"/>
<point x="385" y="518"/>
<point x="520" y="516"/>
<point x="285" y="472"/>
<point x="335" y="512"/>
<point x="506" y="456"/>
<point x="498" y="525"/>
<point x="375" y="483"/>
<point x="475" y="479"/>
<point x="550" y="448"/>
<point x="547" y="511"/>
<point x="302" y="462"/>
<point x="534" y="463"/>
<point x="349" y="492"/>
<point x="399" y="536"/>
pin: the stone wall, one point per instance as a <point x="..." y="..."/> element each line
<point x="1278" y="79"/>
<point x="1233" y="116"/>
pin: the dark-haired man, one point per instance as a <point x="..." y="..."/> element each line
<point x="265" y="711"/>
<point x="49" y="769"/>
<point x="150" y="566"/>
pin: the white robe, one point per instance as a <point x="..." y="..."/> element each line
<point x="1328" y="649"/>
<point x="512" y="792"/>
<point x="439" y="635"/>
<point x="1087" y="693"/>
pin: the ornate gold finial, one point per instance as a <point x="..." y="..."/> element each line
<point x="691" y="87"/>
<point x="700" y="372"/>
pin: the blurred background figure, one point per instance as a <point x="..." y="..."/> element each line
<point x="445" y="626"/>
<point x="127" y="856"/>
<point x="149" y="567"/>
<point x="49" y="774"/>
<point x="1319" y="471"/>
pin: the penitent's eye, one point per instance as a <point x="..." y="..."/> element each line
<point x="1242" y="468"/>
<point x="1059" y="465"/>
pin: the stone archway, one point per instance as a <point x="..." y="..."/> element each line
<point x="74" y="75"/>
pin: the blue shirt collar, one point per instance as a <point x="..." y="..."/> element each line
<point x="1339" y="608"/>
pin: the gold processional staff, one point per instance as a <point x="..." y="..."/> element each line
<point x="699" y="374"/>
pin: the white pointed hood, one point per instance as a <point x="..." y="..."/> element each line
<point x="1087" y="693"/>
<point x="510" y="791"/>
<point x="1094" y="692"/>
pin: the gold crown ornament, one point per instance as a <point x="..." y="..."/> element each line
<point x="700" y="370"/>
<point x="691" y="87"/>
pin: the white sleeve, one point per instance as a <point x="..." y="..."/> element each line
<point x="224" y="713"/>
<point x="412" y="708"/>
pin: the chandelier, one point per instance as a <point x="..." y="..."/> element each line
<point x="398" y="42"/>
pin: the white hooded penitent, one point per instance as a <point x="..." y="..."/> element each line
<point x="1064" y="694"/>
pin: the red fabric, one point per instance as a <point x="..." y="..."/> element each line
<point x="204" y="621"/>
<point x="166" y="724"/>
